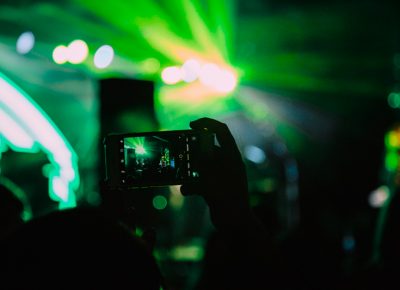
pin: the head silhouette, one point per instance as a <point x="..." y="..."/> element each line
<point x="80" y="247"/>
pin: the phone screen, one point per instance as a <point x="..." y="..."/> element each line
<point x="159" y="158"/>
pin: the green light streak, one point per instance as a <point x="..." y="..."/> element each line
<point x="170" y="31"/>
<point x="201" y="33"/>
<point x="176" y="106"/>
<point x="137" y="143"/>
<point x="27" y="128"/>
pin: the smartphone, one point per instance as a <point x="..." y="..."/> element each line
<point x="156" y="158"/>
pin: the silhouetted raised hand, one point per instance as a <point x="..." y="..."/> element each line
<point x="242" y="248"/>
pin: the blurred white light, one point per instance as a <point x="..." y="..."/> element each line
<point x="103" y="56"/>
<point x="209" y="74"/>
<point x="171" y="75"/>
<point x="60" y="54"/>
<point x="379" y="196"/>
<point x="226" y="82"/>
<point x="60" y="189"/>
<point x="11" y="130"/>
<point x="254" y="154"/>
<point x="190" y="70"/>
<point x="140" y="150"/>
<point x="25" y="42"/>
<point x="77" y="51"/>
<point x="37" y="130"/>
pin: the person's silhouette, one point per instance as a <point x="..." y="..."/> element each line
<point x="82" y="247"/>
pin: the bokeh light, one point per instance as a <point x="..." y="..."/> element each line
<point x="25" y="42"/>
<point x="379" y="196"/>
<point x="104" y="56"/>
<point x="77" y="51"/>
<point x="226" y="82"/>
<point x="171" y="75"/>
<point x="254" y="154"/>
<point x="160" y="202"/>
<point x="394" y="100"/>
<point x="190" y="70"/>
<point x="209" y="74"/>
<point x="60" y="54"/>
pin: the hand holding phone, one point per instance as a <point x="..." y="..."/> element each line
<point x="223" y="183"/>
<point x="155" y="158"/>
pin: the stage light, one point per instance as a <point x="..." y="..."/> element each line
<point x="226" y="82"/>
<point x="254" y="154"/>
<point x="379" y="196"/>
<point x="160" y="202"/>
<point x="25" y="42"/>
<point x="77" y="51"/>
<point x="209" y="74"/>
<point x="103" y="56"/>
<point x="140" y="150"/>
<point x="60" y="54"/>
<point x="190" y="70"/>
<point x="171" y="75"/>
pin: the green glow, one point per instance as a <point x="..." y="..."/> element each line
<point x="192" y="253"/>
<point x="160" y="202"/>
<point x="394" y="100"/>
<point x="391" y="161"/>
<point x="27" y="128"/>
<point x="173" y="32"/>
<point x="177" y="105"/>
<point x="392" y="139"/>
<point x="137" y="143"/>
<point x="140" y="150"/>
<point x="183" y="253"/>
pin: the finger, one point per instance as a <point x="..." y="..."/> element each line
<point x="221" y="130"/>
